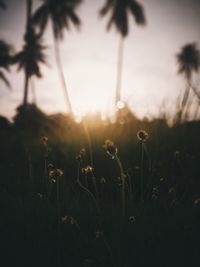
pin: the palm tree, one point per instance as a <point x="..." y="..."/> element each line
<point x="120" y="10"/>
<point x="5" y="60"/>
<point x="31" y="54"/>
<point x="61" y="13"/>
<point x="188" y="60"/>
<point x="5" y="54"/>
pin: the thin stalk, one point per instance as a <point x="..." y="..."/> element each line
<point x="123" y="176"/>
<point x="46" y="171"/>
<point x="58" y="225"/>
<point x="88" y="141"/>
<point x="141" y="170"/>
<point x="147" y="154"/>
<point x="95" y="185"/>
<point x="86" y="190"/>
<point x="86" y="181"/>
<point x="30" y="173"/>
<point x="109" y="250"/>
<point x="130" y="185"/>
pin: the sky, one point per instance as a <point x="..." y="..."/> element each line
<point x="150" y="83"/>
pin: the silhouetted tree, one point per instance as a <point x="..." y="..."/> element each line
<point x="31" y="54"/>
<point x="5" y="60"/>
<point x="188" y="60"/>
<point x="120" y="11"/>
<point x="61" y="13"/>
<point x="5" y="54"/>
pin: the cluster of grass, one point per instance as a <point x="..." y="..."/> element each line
<point x="70" y="200"/>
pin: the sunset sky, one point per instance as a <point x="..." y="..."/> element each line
<point x="150" y="82"/>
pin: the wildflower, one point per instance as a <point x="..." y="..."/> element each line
<point x="176" y="154"/>
<point x="172" y="190"/>
<point x="142" y="135"/>
<point x="81" y="154"/>
<point x="58" y="172"/>
<point x="102" y="180"/>
<point x="44" y="139"/>
<point x="110" y="148"/>
<point x="54" y="174"/>
<point x="155" y="190"/>
<point x="50" y="166"/>
<point x="132" y="219"/>
<point x="98" y="234"/>
<point x="68" y="219"/>
<point x="87" y="169"/>
<point x="196" y="201"/>
<point x="40" y="195"/>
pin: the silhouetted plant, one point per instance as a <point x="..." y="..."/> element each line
<point x="61" y="13"/>
<point x="5" y="60"/>
<point x="120" y="11"/>
<point x="188" y="60"/>
<point x="31" y="55"/>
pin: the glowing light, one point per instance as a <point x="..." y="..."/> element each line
<point x="120" y="105"/>
<point x="78" y="118"/>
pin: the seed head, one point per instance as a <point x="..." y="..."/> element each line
<point x="172" y="190"/>
<point x="87" y="169"/>
<point x="132" y="219"/>
<point x="50" y="166"/>
<point x="44" y="139"/>
<point x="68" y="219"/>
<point x="81" y="154"/>
<point x="110" y="148"/>
<point x="55" y="173"/>
<point x="102" y="180"/>
<point x="142" y="135"/>
<point x="98" y="234"/>
<point x="176" y="154"/>
<point x="196" y="201"/>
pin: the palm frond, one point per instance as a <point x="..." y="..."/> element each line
<point x="73" y="17"/>
<point x="137" y="12"/>
<point x="188" y="59"/>
<point x="31" y="55"/>
<point x="40" y="18"/>
<point x="61" y="12"/>
<point x="105" y="9"/>
<point x="3" y="77"/>
<point x="5" y="54"/>
<point x="120" y="11"/>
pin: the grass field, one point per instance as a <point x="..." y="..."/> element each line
<point x="130" y="203"/>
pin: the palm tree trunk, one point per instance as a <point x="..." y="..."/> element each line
<point x="29" y="8"/>
<point x="26" y="90"/>
<point x="62" y="77"/>
<point x="185" y="100"/>
<point x="119" y="70"/>
<point x="34" y="99"/>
